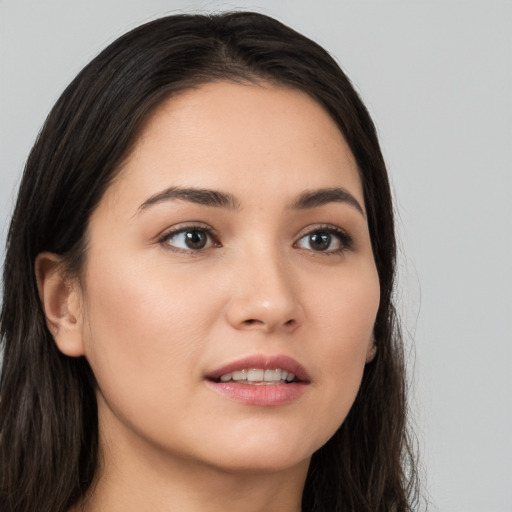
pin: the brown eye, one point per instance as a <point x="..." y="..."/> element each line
<point x="329" y="240"/>
<point x="195" y="239"/>
<point x="320" y="241"/>
<point x="189" y="239"/>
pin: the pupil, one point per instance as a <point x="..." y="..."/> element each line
<point x="320" y="241"/>
<point x="195" y="239"/>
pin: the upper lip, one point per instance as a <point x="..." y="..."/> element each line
<point x="265" y="362"/>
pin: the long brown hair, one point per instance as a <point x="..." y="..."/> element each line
<point x="48" y="412"/>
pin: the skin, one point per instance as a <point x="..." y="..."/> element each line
<point x="154" y="317"/>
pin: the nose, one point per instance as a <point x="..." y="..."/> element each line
<point x="264" y="295"/>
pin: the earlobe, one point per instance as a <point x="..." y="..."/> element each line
<point x="60" y="299"/>
<point x="371" y="350"/>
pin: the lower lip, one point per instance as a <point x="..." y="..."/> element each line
<point x="265" y="395"/>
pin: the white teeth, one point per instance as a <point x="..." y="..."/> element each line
<point x="272" y="375"/>
<point x="254" y="375"/>
<point x="258" y="375"/>
<point x="241" y="375"/>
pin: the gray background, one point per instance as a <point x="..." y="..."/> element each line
<point x="437" y="78"/>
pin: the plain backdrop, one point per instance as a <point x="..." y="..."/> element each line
<point x="437" y="78"/>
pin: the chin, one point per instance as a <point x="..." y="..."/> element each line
<point x="261" y="454"/>
<point x="262" y="463"/>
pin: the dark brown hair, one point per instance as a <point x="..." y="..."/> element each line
<point x="48" y="412"/>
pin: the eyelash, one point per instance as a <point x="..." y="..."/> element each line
<point x="345" y="240"/>
<point x="164" y="240"/>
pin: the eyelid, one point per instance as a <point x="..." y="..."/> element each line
<point x="346" y="241"/>
<point x="184" y="227"/>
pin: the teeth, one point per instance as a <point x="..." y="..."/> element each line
<point x="255" y="375"/>
<point x="241" y="375"/>
<point x="272" y="375"/>
<point x="258" y="375"/>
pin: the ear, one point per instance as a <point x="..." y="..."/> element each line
<point x="371" y="350"/>
<point x="62" y="305"/>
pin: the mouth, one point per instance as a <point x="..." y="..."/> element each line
<point x="258" y="376"/>
<point x="260" y="380"/>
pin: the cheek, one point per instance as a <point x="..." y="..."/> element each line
<point x="345" y="320"/>
<point x="346" y="306"/>
<point x="141" y="329"/>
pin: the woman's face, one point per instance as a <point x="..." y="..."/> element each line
<point x="233" y="241"/>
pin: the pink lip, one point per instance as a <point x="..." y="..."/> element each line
<point x="266" y="395"/>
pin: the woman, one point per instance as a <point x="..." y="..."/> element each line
<point x="197" y="303"/>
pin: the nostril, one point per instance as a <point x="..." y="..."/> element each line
<point x="255" y="321"/>
<point x="252" y="321"/>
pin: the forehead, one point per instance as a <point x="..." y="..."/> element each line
<point x="246" y="138"/>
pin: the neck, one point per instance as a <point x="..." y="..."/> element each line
<point x="135" y="478"/>
<point x="214" y="493"/>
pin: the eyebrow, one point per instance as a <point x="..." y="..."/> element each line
<point x="215" y="198"/>
<point x="320" y="197"/>
<point x="194" y="195"/>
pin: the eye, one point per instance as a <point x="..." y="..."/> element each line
<point x="193" y="238"/>
<point x="329" y="240"/>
